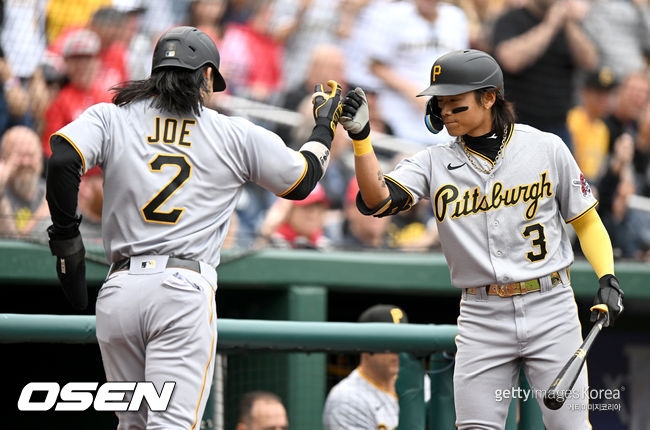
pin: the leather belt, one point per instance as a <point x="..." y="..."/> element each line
<point x="172" y="262"/>
<point x="517" y="288"/>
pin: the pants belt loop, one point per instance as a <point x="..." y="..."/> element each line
<point x="545" y="284"/>
<point x="564" y="276"/>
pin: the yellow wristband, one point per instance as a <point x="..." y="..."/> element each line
<point x="362" y="147"/>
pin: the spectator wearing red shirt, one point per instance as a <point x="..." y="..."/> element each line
<point x="251" y="59"/>
<point x="110" y="25"/>
<point x="80" y="54"/>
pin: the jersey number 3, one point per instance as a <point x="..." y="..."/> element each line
<point x="540" y="241"/>
<point x="150" y="210"/>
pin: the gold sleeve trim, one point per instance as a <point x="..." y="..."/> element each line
<point x="83" y="160"/>
<point x="295" y="184"/>
<point x="582" y="214"/>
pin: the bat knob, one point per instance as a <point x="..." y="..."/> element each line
<point x="553" y="401"/>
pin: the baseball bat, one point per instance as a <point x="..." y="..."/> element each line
<point x="561" y="387"/>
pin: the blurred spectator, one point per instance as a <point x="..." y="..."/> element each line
<point x="63" y="14"/>
<point x="407" y="38"/>
<point x="158" y="15"/>
<point x="23" y="209"/>
<point x="357" y="231"/>
<point x="91" y="199"/>
<point x="251" y="59"/>
<point x="298" y="223"/>
<point x="366" y="398"/>
<point x="589" y="132"/>
<point x="80" y="53"/>
<point x="301" y="25"/>
<point x="540" y="47"/>
<point x="415" y="229"/>
<point x="206" y="15"/>
<point x="615" y="189"/>
<point x="262" y="410"/>
<point x="481" y="15"/>
<point x="23" y="35"/>
<point x="14" y="98"/>
<point x="630" y="98"/>
<point x="110" y="24"/>
<point x="46" y="82"/>
<point x="326" y="62"/>
<point x="621" y="31"/>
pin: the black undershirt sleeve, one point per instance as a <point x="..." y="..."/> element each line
<point x="309" y="181"/>
<point x="64" y="169"/>
<point x="399" y="200"/>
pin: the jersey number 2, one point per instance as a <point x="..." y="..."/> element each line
<point x="150" y="210"/>
<point x="540" y="241"/>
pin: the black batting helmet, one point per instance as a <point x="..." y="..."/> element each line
<point x="459" y="72"/>
<point x="188" y="48"/>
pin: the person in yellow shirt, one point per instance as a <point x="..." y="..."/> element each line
<point x="588" y="131"/>
<point x="61" y="14"/>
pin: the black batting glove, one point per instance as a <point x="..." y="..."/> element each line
<point x="609" y="293"/>
<point x="327" y="106"/>
<point x="356" y="117"/>
<point x="70" y="266"/>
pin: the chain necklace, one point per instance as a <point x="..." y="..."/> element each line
<point x="476" y="165"/>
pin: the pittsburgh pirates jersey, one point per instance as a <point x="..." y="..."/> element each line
<point x="355" y="403"/>
<point x="506" y="225"/>
<point x="149" y="157"/>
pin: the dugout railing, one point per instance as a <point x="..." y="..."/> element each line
<point x="295" y="352"/>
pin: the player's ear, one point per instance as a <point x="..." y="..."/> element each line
<point x="488" y="98"/>
<point x="207" y="72"/>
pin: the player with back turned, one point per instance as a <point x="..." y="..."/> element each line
<point x="501" y="192"/>
<point x="173" y="171"/>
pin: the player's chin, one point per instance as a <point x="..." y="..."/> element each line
<point x="454" y="128"/>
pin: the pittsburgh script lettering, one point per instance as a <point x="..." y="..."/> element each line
<point x="448" y="199"/>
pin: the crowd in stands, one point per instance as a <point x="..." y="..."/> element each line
<point x="576" y="68"/>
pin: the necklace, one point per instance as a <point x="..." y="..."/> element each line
<point x="478" y="166"/>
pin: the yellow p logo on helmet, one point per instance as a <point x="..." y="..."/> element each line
<point x="435" y="72"/>
<point x="397" y="315"/>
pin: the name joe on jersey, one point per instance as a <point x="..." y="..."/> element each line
<point x="448" y="198"/>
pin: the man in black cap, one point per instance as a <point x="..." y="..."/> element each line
<point x="366" y="398"/>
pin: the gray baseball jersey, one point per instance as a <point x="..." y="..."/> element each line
<point x="505" y="226"/>
<point x="501" y="226"/>
<point x="149" y="161"/>
<point x="356" y="404"/>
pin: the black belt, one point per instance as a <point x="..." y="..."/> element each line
<point x="172" y="262"/>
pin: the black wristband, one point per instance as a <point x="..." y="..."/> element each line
<point x="323" y="134"/>
<point x="362" y="134"/>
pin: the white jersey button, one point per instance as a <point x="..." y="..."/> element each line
<point x="499" y="253"/>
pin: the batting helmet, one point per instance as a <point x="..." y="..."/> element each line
<point x="459" y="72"/>
<point x="188" y="48"/>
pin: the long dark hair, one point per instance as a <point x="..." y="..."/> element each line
<point x="503" y="111"/>
<point x="173" y="90"/>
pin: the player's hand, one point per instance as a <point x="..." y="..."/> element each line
<point x="610" y="294"/>
<point x="433" y="116"/>
<point x="70" y="267"/>
<point x="327" y="106"/>
<point x="355" y="117"/>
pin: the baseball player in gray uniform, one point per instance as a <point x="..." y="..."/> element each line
<point x="173" y="171"/>
<point x="366" y="398"/>
<point x="501" y="193"/>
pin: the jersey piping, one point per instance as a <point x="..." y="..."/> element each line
<point x="582" y="214"/>
<point x="295" y="184"/>
<point x="375" y="385"/>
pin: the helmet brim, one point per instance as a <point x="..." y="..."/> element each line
<point x="219" y="84"/>
<point x="445" y="90"/>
